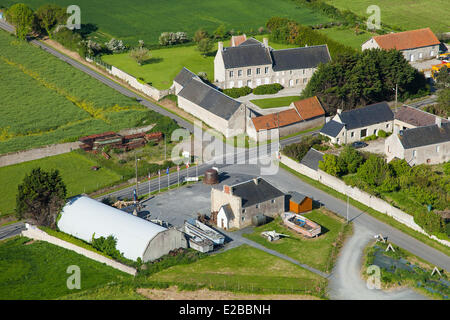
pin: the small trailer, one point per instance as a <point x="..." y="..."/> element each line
<point x="202" y="245"/>
<point x="300" y="224"/>
<point x="195" y="228"/>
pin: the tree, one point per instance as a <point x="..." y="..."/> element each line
<point x="220" y="32"/>
<point x="115" y="46"/>
<point x="205" y="46"/>
<point x="200" y="35"/>
<point x="49" y="15"/>
<point x="331" y="165"/>
<point x="375" y="172"/>
<point x="443" y="78"/>
<point x="41" y="196"/>
<point x="22" y="17"/>
<point x="140" y="55"/>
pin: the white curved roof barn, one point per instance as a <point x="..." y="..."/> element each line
<point x="83" y="217"/>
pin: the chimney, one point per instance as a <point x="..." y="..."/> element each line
<point x="339" y="111"/>
<point x="228" y="189"/>
<point x="439" y="122"/>
<point x="220" y="44"/>
<point x="266" y="42"/>
<point x="256" y="181"/>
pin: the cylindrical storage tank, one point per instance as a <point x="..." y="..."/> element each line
<point x="211" y="177"/>
<point x="259" y="219"/>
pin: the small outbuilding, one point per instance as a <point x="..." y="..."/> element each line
<point x="85" y="218"/>
<point x="299" y="203"/>
<point x="225" y="216"/>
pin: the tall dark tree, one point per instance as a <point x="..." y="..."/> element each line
<point x="41" y="196"/>
<point x="49" y="15"/>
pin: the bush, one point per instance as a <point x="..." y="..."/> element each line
<point x="171" y="38"/>
<point x="237" y="92"/>
<point x="383" y="134"/>
<point x="268" y="89"/>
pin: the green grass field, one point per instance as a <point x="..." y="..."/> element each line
<point x="317" y="252"/>
<point x="243" y="269"/>
<point x="45" y="101"/>
<point x="347" y="36"/>
<point x="406" y="14"/>
<point x="39" y="270"/>
<point x="275" y="102"/>
<point x="165" y="64"/>
<point x="75" y="170"/>
<point x="140" y="19"/>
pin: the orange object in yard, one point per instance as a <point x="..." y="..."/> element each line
<point x="299" y="203"/>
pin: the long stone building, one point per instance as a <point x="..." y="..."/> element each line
<point x="252" y="63"/>
<point x="208" y="104"/>
<point x="415" y="45"/>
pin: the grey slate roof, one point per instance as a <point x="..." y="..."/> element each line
<point x="250" y="41"/>
<point x="366" y="116"/>
<point x="312" y="158"/>
<point x="184" y="76"/>
<point x="253" y="194"/>
<point x="422" y="136"/>
<point x="246" y="55"/>
<point x="300" y="58"/>
<point x="332" y="128"/>
<point x="297" y="197"/>
<point x="228" y="212"/>
<point x="209" y="98"/>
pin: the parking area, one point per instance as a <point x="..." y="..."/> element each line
<point x="375" y="146"/>
<point x="177" y="205"/>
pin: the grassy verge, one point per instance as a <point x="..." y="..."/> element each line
<point x="37" y="270"/>
<point x="275" y="102"/>
<point x="319" y="252"/>
<point x="376" y="214"/>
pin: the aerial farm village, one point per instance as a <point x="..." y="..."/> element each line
<point x="236" y="150"/>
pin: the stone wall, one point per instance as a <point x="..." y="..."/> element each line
<point x="358" y="195"/>
<point x="37" y="234"/>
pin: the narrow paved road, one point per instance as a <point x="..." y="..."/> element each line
<point x="11" y="230"/>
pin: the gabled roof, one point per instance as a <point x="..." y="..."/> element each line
<point x="228" y="211"/>
<point x="309" y="108"/>
<point x="312" y="158"/>
<point x="407" y="39"/>
<point x="184" y="76"/>
<point x="209" y="98"/>
<point x="249" y="53"/>
<point x="423" y="136"/>
<point x="332" y="128"/>
<point x="252" y="193"/>
<point x="416" y="117"/>
<point x="297" y="197"/>
<point x="273" y="120"/>
<point x="300" y="58"/>
<point x="366" y="116"/>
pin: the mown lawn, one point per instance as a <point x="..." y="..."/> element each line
<point x="243" y="269"/>
<point x="317" y="252"/>
<point x="75" y="170"/>
<point x="347" y="36"/>
<point x="403" y="13"/>
<point x="46" y="101"/>
<point x="133" y="20"/>
<point x="275" y="102"/>
<point x="39" y="270"/>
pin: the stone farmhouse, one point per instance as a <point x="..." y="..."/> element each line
<point x="252" y="63"/>
<point x="428" y="144"/>
<point x="302" y="115"/>
<point x="208" y="104"/>
<point x="354" y="125"/>
<point x="415" y="45"/>
<point x="406" y="117"/>
<point x="237" y="204"/>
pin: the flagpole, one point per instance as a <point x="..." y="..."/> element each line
<point x="178" y="171"/>
<point x="149" y="183"/>
<point x="168" y="180"/>
<point x="159" y="181"/>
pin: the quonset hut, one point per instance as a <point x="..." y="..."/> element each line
<point x="83" y="217"/>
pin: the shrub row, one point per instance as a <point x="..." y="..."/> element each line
<point x="268" y="89"/>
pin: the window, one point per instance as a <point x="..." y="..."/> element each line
<point x="305" y="80"/>
<point x="266" y="80"/>
<point x="249" y="83"/>
<point x="296" y="81"/>
<point x="258" y="70"/>
<point x="266" y="70"/>
<point x="243" y="210"/>
<point x="352" y="134"/>
<point x="231" y="74"/>
<point x="240" y="84"/>
<point x="411" y="57"/>
<point x="243" y="218"/>
<point x="239" y="73"/>
<point x="363" y="133"/>
<point x="290" y="72"/>
<point x="387" y="125"/>
<point x="437" y="148"/>
<point x="257" y="206"/>
<point x="414" y="153"/>
<point x="303" y="71"/>
<point x="431" y="53"/>
<point x="375" y="131"/>
<point x="249" y="72"/>
<point x="231" y="84"/>
<point x="420" y="55"/>
<point x="273" y="201"/>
